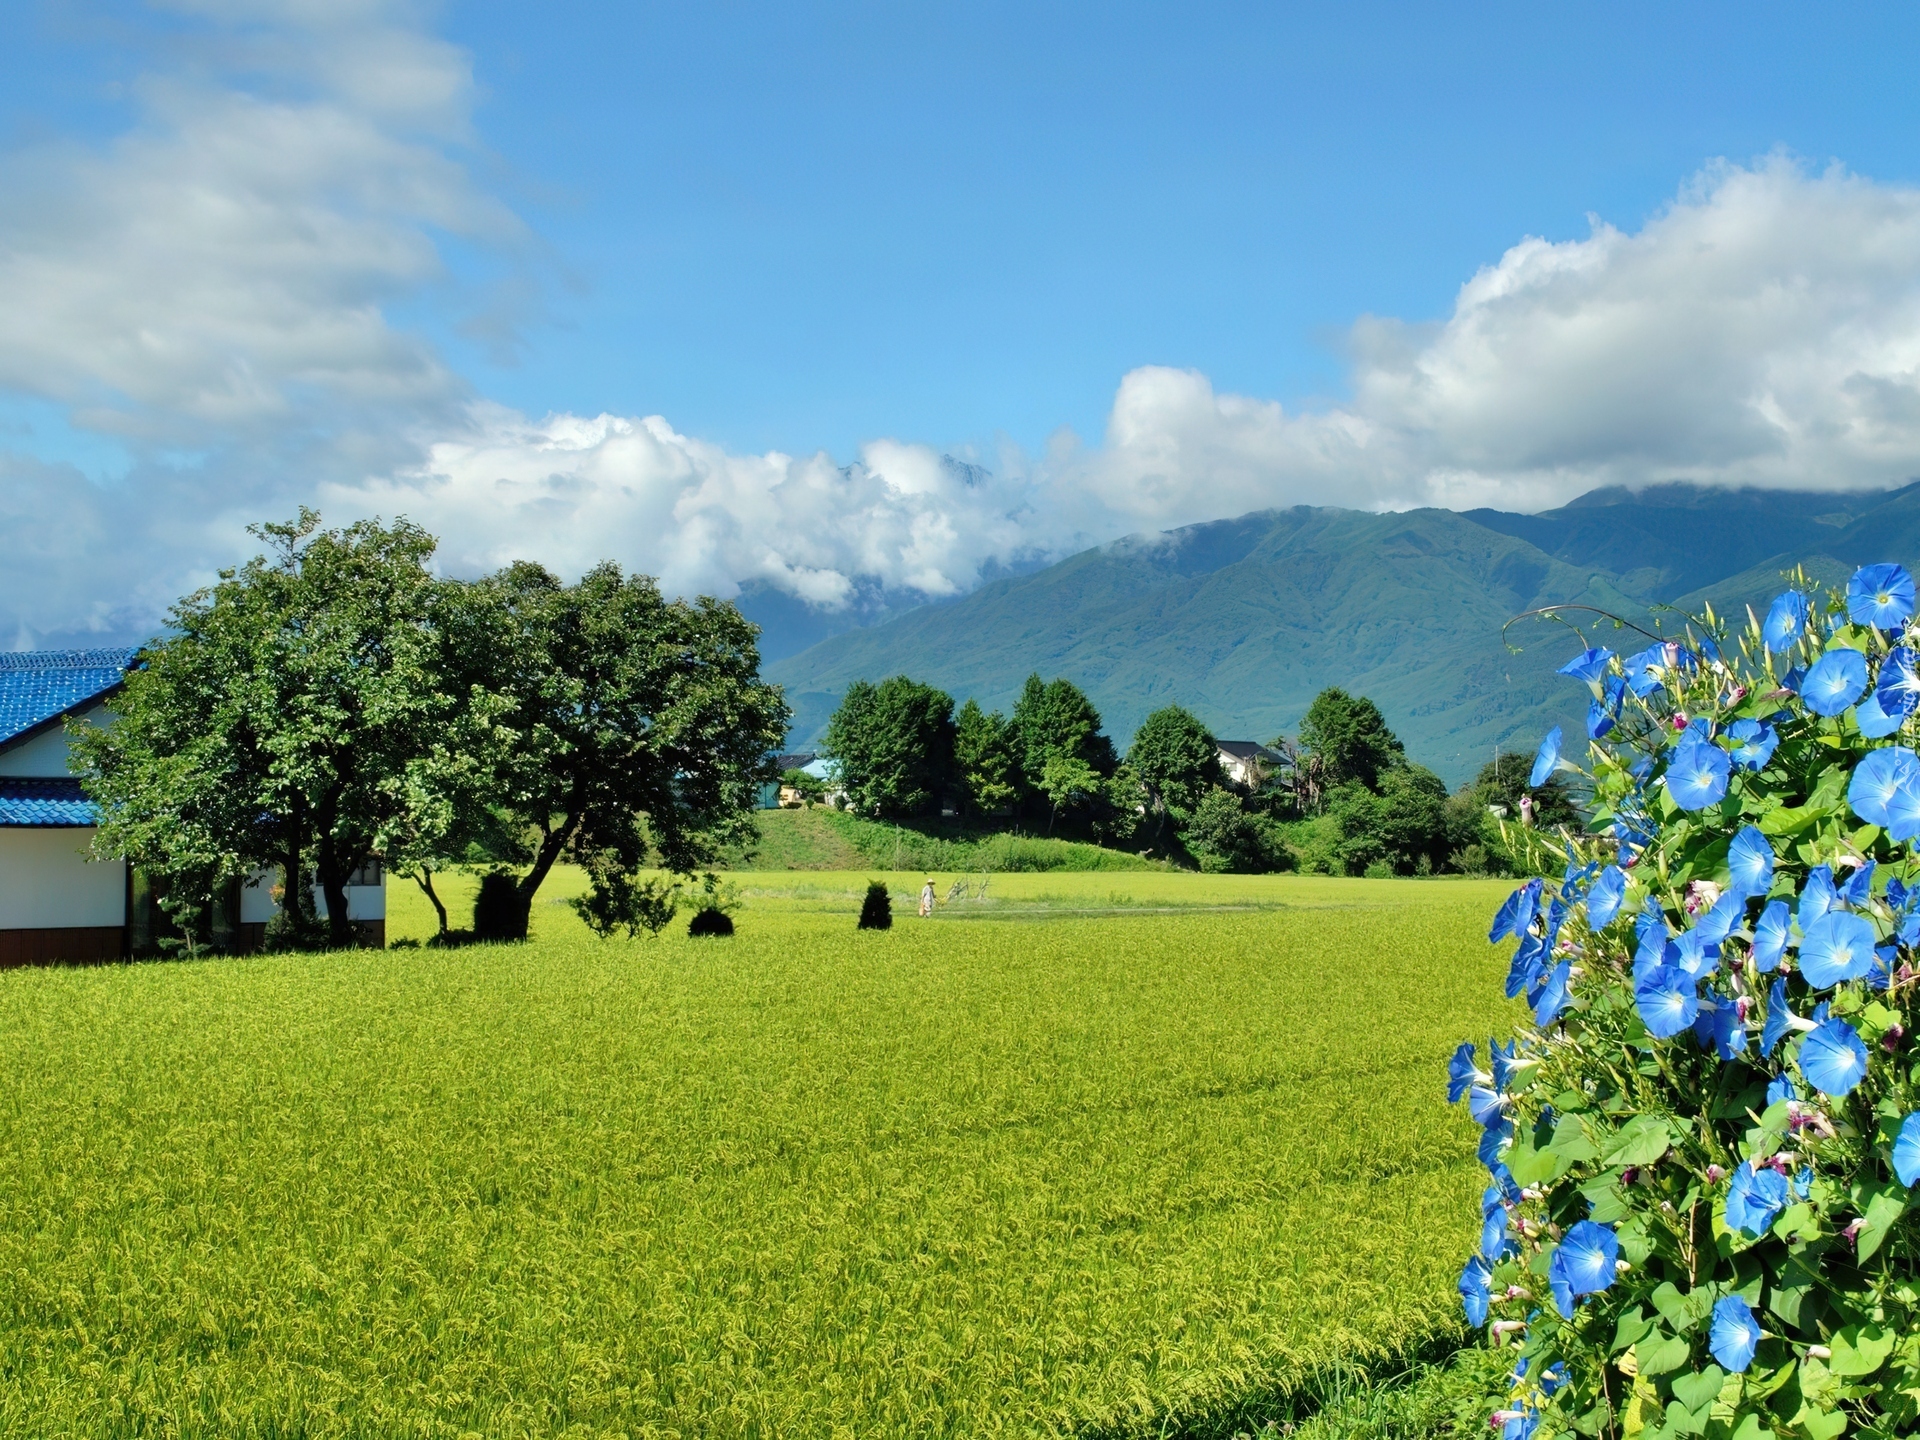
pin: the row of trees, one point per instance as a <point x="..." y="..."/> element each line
<point x="1342" y="797"/>
<point x="334" y="703"/>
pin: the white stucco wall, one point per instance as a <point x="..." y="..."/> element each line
<point x="45" y="755"/>
<point x="47" y="882"/>
<point x="364" y="902"/>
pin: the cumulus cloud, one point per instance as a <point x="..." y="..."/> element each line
<point x="220" y="279"/>
<point x="1763" y="329"/>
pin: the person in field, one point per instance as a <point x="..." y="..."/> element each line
<point x="926" y="899"/>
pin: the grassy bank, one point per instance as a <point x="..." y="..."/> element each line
<point x="823" y="839"/>
<point x="1113" y="1155"/>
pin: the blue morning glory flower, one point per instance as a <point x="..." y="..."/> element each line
<point x="1837" y="679"/>
<point x="1589" y="665"/>
<point x="1735" y="1335"/>
<point x="1906" y="1150"/>
<point x="1782" y="1088"/>
<point x="1475" y="1293"/>
<point x="1838" y="946"/>
<point x="1697" y="774"/>
<point x="1516" y="912"/>
<point x="1881" y="596"/>
<point x="1653" y="952"/>
<point x="1874" y="722"/>
<point x="1754" y="1199"/>
<point x="1584" y="1260"/>
<point x="1899" y="688"/>
<point x="1786" y="621"/>
<point x="1462" y="1073"/>
<point x="1520" y="1426"/>
<point x="1903" y="809"/>
<point x="1721" y="921"/>
<point x="1493" y="1142"/>
<point x="1750" y="863"/>
<point x="1527" y="963"/>
<point x="1547" y="759"/>
<point x="1833" y="1059"/>
<point x="1791" y="680"/>
<point x="1667" y="1001"/>
<point x="1817" y="897"/>
<point x="1488" y="1107"/>
<point x="1600" y="720"/>
<point x="1554" y="996"/>
<point x="1802" y="1185"/>
<point x="1729" y="1035"/>
<point x="1757" y="742"/>
<point x="1493" y="1234"/>
<point x="1503" y="1062"/>
<point x="1770" y="936"/>
<point x="1778" y="1016"/>
<point x="1897" y="894"/>
<point x="1694" y="954"/>
<point x="1649" y="919"/>
<point x="1859" y="887"/>
<point x="1876" y="777"/>
<point x="1880" y="972"/>
<point x="1640" y="669"/>
<point x="1603" y="901"/>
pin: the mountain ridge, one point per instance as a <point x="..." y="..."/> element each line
<point x="1244" y="620"/>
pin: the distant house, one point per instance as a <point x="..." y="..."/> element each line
<point x="58" y="903"/>
<point x="773" y="794"/>
<point x="1246" y="764"/>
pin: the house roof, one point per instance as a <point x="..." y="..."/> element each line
<point x="38" y="687"/>
<point x="44" y="803"/>
<point x="1246" y="750"/>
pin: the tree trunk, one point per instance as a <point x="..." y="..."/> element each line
<point x="551" y="845"/>
<point x="425" y="881"/>
<point x="333" y="884"/>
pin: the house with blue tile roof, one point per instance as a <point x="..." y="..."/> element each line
<point x="57" y="902"/>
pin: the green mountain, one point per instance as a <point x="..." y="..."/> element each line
<point x="1244" y="621"/>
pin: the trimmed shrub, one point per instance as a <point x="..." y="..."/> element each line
<point x="876" y="911"/>
<point x="710" y="922"/>
<point x="499" y="910"/>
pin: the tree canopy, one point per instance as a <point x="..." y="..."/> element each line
<point x="1174" y="759"/>
<point x="310" y="710"/>
<point x="1055" y="719"/>
<point x="895" y="745"/>
<point x="1350" y="736"/>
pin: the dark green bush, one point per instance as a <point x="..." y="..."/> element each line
<point x="499" y="910"/>
<point x="876" y="911"/>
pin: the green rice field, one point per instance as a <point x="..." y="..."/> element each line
<point x="1097" y="1154"/>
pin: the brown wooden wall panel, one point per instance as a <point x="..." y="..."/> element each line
<point x="84" y="945"/>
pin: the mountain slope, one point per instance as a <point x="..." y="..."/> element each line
<point x="1245" y="620"/>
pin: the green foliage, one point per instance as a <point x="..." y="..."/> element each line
<point x="309" y="711"/>
<point x="1174" y="759"/>
<point x="1055" y="720"/>
<point x="894" y="742"/>
<point x="1223" y="837"/>
<point x="1350" y="736"/>
<point x="617" y="899"/>
<point x="947" y="1180"/>
<point x="876" y="910"/>
<point x="987" y="752"/>
<point x="1403" y="826"/>
<point x="641" y="724"/>
<point x="1649" y="1137"/>
<point x="897" y="847"/>
<point x="809" y="787"/>
<point x="1068" y="782"/>
<point x="710" y="923"/>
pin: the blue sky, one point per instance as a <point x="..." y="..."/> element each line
<point x="809" y="232"/>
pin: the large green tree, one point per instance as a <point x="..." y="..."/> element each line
<point x="1350" y="737"/>
<point x="637" y="719"/>
<point x="895" y="745"/>
<point x="986" y="755"/>
<point x="312" y="710"/>
<point x="1054" y="719"/>
<point x="1175" y="760"/>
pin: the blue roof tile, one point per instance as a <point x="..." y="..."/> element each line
<point x="44" y="802"/>
<point x="38" y="685"/>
